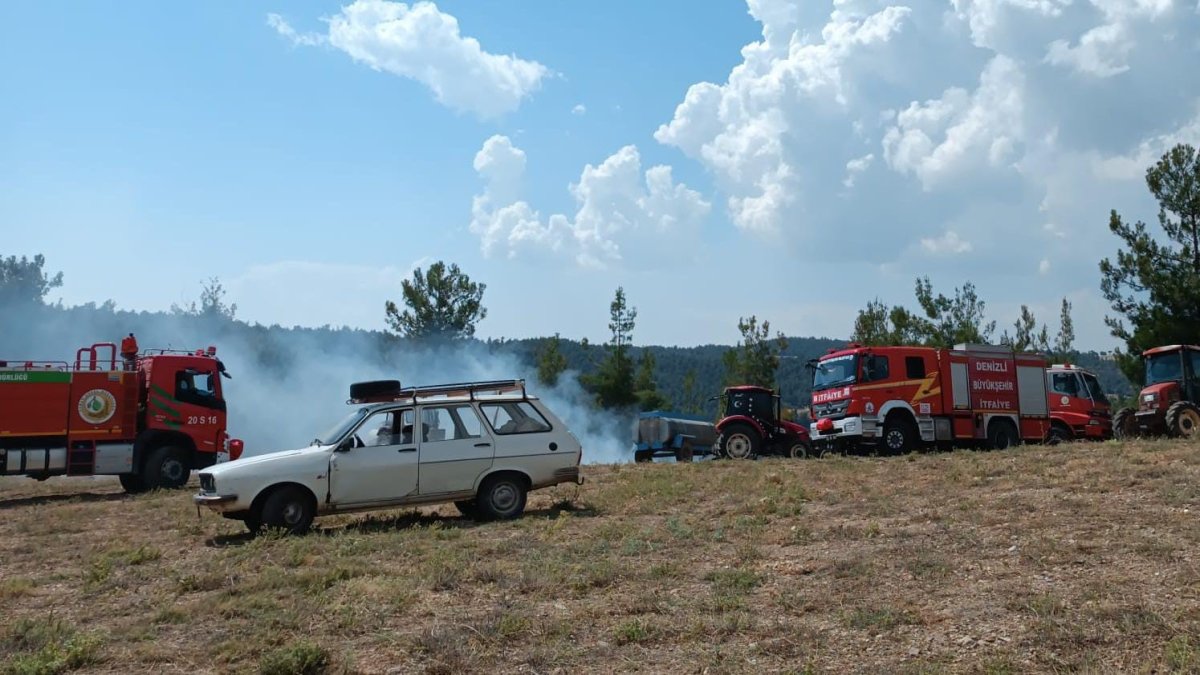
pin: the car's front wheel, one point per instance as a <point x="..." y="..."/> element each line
<point x="467" y="507"/>
<point x="501" y="498"/>
<point x="288" y="508"/>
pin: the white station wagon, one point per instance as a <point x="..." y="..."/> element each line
<point x="481" y="445"/>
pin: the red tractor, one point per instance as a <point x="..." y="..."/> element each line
<point x="753" y="425"/>
<point x="1167" y="402"/>
<point x="148" y="418"/>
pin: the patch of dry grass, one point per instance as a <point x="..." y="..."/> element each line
<point x="1078" y="557"/>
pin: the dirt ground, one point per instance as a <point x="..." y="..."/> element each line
<point x="1067" y="558"/>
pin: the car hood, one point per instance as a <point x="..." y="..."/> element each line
<point x="235" y="466"/>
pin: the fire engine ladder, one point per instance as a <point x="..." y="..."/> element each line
<point x="81" y="458"/>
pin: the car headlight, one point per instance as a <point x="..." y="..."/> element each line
<point x="207" y="483"/>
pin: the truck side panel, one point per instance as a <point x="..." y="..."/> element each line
<point x="33" y="403"/>
<point x="99" y="405"/>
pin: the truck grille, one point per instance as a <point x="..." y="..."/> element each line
<point x="207" y="484"/>
<point x="832" y="409"/>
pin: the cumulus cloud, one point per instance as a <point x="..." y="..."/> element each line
<point x="946" y="136"/>
<point x="617" y="203"/>
<point x="741" y="130"/>
<point x="1044" y="267"/>
<point x="422" y="43"/>
<point x="579" y="109"/>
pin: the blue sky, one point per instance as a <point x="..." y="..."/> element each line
<point x="311" y="154"/>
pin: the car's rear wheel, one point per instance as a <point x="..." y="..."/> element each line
<point x="501" y="498"/>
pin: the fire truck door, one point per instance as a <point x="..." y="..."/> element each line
<point x="200" y="410"/>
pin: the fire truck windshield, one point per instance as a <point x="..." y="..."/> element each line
<point x="1094" y="388"/>
<point x="834" y="372"/>
<point x="338" y="430"/>
<point x="1164" y="368"/>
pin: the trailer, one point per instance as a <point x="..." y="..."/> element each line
<point x="672" y="434"/>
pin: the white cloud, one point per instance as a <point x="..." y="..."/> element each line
<point x="1133" y="165"/>
<point x="1044" y="267"/>
<point x="741" y="130"/>
<point x="579" y="109"/>
<point x="856" y="166"/>
<point x="949" y="243"/>
<point x="285" y="29"/>
<point x="943" y="137"/>
<point x="422" y="43"/>
<point x="617" y="204"/>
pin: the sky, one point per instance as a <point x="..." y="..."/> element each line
<point x="788" y="160"/>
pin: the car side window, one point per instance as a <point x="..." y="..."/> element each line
<point x="388" y="427"/>
<point x="518" y="417"/>
<point x="450" y="423"/>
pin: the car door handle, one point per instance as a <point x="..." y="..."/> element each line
<point x="483" y="445"/>
<point x="407" y="450"/>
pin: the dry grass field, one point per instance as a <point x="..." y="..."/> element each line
<point x="1072" y="558"/>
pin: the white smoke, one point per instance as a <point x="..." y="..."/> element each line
<point x="290" y="385"/>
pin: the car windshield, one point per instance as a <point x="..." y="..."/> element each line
<point x="338" y="430"/>
<point x="1094" y="388"/>
<point x="836" y="371"/>
<point x="1164" y="368"/>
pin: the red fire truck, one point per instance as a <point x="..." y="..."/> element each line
<point x="148" y="418"/>
<point x="1079" y="408"/>
<point x="897" y="398"/>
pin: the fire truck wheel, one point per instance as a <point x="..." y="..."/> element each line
<point x="897" y="435"/>
<point x="132" y="483"/>
<point x="1183" y="419"/>
<point x="467" y="507"/>
<point x="501" y="497"/>
<point x="739" y="442"/>
<point x="1001" y="435"/>
<point x="1059" y="433"/>
<point x="1124" y="424"/>
<point x="166" y="468"/>
<point x="288" y="508"/>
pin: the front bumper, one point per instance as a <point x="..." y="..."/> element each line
<point x="215" y="502"/>
<point x="845" y="431"/>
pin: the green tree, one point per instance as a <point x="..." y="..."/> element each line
<point x="212" y="303"/>
<point x="551" y="361"/>
<point x="1064" y="342"/>
<point x="1027" y="337"/>
<point x="1153" y="285"/>
<point x="442" y="304"/>
<point x="690" y="396"/>
<point x="24" y="281"/>
<point x="954" y="320"/>
<point x="878" y="325"/>
<point x="755" y="359"/>
<point x="644" y="386"/>
<point x="612" y="382"/>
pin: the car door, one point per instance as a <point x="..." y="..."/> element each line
<point x="377" y="463"/>
<point x="455" y="448"/>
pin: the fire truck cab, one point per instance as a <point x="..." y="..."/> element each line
<point x="149" y="418"/>
<point x="1079" y="408"/>
<point x="898" y="398"/>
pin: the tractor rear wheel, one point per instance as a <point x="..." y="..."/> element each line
<point x="1124" y="424"/>
<point x="1183" y="419"/>
<point x="739" y="441"/>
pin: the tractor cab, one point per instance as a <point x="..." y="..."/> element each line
<point x="752" y="424"/>
<point x="1167" y="402"/>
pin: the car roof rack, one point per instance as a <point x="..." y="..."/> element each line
<point x="457" y="389"/>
